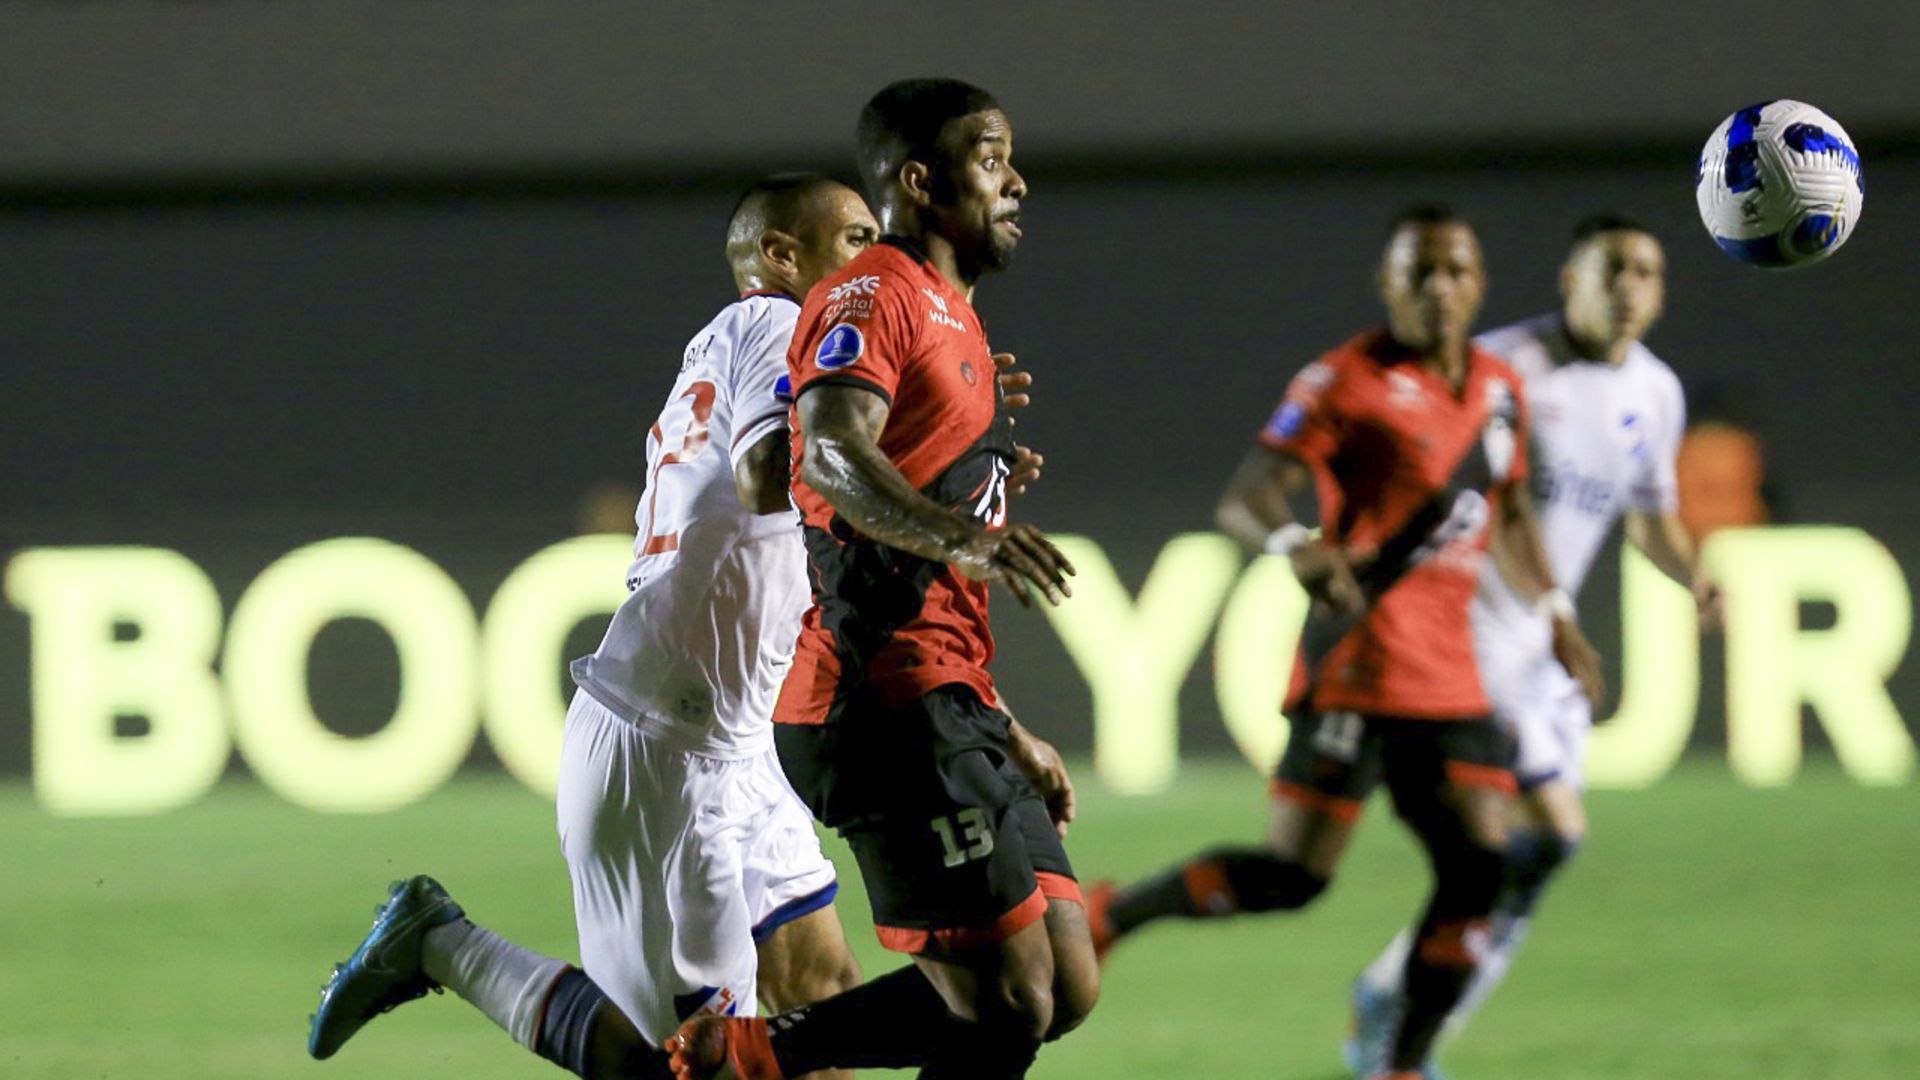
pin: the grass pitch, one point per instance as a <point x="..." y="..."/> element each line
<point x="1707" y="931"/>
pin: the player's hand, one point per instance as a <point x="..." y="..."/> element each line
<point x="1013" y="384"/>
<point x="1580" y="658"/>
<point x="1709" y="601"/>
<point x="1020" y="557"/>
<point x="1040" y="763"/>
<point x="1026" y="470"/>
<point x="1324" y="571"/>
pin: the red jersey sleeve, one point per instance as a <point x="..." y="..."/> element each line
<point x="1307" y="424"/>
<point x="859" y="331"/>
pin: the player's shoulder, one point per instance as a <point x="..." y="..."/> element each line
<point x="1526" y="346"/>
<point x="1644" y="364"/>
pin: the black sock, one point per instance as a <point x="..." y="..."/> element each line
<point x="1221" y="882"/>
<point x="1468" y="880"/>
<point x="585" y="1034"/>
<point x="1533" y="857"/>
<point x="892" y="1022"/>
<point x="972" y="1051"/>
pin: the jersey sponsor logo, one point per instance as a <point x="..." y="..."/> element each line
<point x="939" y="301"/>
<point x="947" y="321"/>
<point x="1403" y="390"/>
<point x="1633" y="433"/>
<point x="864" y="285"/>
<point x="1287" y="420"/>
<point x="841" y="347"/>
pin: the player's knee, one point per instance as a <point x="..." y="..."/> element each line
<point x="1263" y="881"/>
<point x="1024" y="1004"/>
<point x="1074" y="996"/>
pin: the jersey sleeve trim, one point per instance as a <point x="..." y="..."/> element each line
<point x="751" y="433"/>
<point x="846" y="380"/>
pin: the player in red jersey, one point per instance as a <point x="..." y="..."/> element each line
<point x="1408" y="445"/>
<point x="888" y="724"/>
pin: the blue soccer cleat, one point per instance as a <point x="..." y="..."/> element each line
<point x="384" y="972"/>
<point x="1376" y="1019"/>
<point x="1376" y="1014"/>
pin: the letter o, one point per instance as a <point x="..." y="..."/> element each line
<point x="268" y="640"/>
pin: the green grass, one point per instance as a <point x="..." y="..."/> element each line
<point x="1707" y="931"/>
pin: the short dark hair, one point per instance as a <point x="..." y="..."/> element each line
<point x="777" y="201"/>
<point x="1607" y="221"/>
<point x="1424" y="213"/>
<point x="903" y="123"/>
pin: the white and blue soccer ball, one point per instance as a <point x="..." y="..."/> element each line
<point x="1780" y="185"/>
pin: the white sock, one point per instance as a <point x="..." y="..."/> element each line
<point x="1508" y="932"/>
<point x="508" y="983"/>
<point x="1389" y="969"/>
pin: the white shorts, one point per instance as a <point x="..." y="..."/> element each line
<point x="1535" y="698"/>
<point x="681" y="864"/>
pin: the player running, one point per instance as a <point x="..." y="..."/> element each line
<point x="888" y="724"/>
<point x="698" y="882"/>
<point x="1608" y="417"/>
<point x="1408" y="445"/>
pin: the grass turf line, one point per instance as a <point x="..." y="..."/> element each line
<point x="1707" y="930"/>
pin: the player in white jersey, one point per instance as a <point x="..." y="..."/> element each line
<point x="1607" y="418"/>
<point x="699" y="884"/>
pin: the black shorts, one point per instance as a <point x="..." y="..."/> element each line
<point x="956" y="848"/>
<point x="1334" y="760"/>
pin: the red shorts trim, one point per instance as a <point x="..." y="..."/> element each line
<point x="750" y="1050"/>
<point x="1467" y="774"/>
<point x="1059" y="887"/>
<point x="958" y="938"/>
<point x="1335" y="807"/>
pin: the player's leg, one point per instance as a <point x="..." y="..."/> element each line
<point x="1321" y="786"/>
<point x="1452" y="785"/>
<point x="932" y="821"/>
<point x="1549" y="827"/>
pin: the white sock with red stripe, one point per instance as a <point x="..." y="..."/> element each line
<point x="508" y="983"/>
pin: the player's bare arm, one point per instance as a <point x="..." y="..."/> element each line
<point x="761" y="475"/>
<point x="1521" y="556"/>
<point x="1264" y="508"/>
<point x="844" y="463"/>
<point x="1664" y="541"/>
<point x="1042" y="765"/>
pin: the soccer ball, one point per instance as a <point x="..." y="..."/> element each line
<point x="1779" y="185"/>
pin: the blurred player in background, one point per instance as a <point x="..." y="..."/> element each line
<point x="698" y="882"/>
<point x="889" y="724"/>
<point x="1607" y="421"/>
<point x="1409" y="445"/>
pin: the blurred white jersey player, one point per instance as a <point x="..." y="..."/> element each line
<point x="1607" y="420"/>
<point x="698" y="881"/>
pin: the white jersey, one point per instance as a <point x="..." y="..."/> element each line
<point x="707" y="631"/>
<point x="1604" y="441"/>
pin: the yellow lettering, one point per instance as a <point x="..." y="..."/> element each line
<point x="1773" y="665"/>
<point x="526" y="627"/>
<point x="1136" y="653"/>
<point x="83" y="677"/>
<point x="273" y="628"/>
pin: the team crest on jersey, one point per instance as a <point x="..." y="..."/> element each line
<point x="1287" y="421"/>
<point x="1633" y="432"/>
<point x="841" y="347"/>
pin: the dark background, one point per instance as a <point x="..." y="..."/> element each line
<point x="321" y="270"/>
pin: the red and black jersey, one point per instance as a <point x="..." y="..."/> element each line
<point x="1409" y="473"/>
<point x="885" y="621"/>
